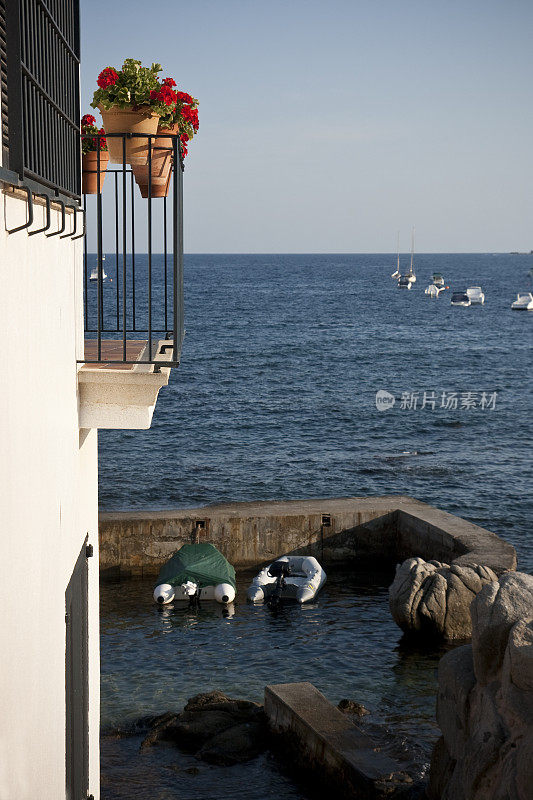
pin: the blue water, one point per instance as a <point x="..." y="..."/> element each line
<point x="346" y="644"/>
<point x="275" y="395"/>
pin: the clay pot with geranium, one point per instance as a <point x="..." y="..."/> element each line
<point x="132" y="100"/>
<point x="182" y="120"/>
<point x="94" y="155"/>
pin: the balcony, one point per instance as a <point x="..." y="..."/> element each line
<point x="132" y="285"/>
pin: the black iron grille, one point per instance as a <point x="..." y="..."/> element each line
<point x="41" y="135"/>
<point x="3" y="82"/>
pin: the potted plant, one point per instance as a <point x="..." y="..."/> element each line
<point x="181" y="119"/>
<point x="131" y="100"/>
<point x="90" y="146"/>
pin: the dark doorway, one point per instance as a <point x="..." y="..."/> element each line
<point x="77" y="680"/>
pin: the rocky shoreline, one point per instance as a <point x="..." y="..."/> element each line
<point x="224" y="731"/>
<point x="485" y="701"/>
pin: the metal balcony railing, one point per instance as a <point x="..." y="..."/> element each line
<point x="133" y="258"/>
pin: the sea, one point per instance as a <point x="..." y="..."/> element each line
<point x="279" y="395"/>
<point x="275" y="396"/>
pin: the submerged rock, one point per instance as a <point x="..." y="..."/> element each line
<point x="217" y="728"/>
<point x="485" y="701"/>
<point x="352" y="707"/>
<point x="433" y="599"/>
<point x="236" y="744"/>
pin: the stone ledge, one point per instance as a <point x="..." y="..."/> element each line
<point x="322" y="739"/>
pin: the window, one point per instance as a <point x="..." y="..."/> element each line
<point x="39" y="70"/>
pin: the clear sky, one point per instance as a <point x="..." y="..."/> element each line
<point x="328" y="126"/>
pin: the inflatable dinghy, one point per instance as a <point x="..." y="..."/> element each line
<point x="297" y="578"/>
<point x="196" y="572"/>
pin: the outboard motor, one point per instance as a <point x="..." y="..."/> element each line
<point x="279" y="570"/>
<point x="193" y="593"/>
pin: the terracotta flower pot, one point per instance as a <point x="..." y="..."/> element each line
<point x="161" y="165"/>
<point x="124" y="120"/>
<point x="89" y="174"/>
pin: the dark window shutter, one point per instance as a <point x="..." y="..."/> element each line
<point x="41" y="92"/>
<point x="3" y="84"/>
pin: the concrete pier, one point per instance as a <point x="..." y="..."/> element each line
<point x="323" y="740"/>
<point x="335" y="530"/>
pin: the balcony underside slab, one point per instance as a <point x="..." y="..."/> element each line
<point x="120" y="396"/>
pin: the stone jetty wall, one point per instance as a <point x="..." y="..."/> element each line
<point x="381" y="530"/>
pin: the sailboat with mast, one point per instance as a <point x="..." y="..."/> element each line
<point x="410" y="275"/>
<point x="396" y="274"/>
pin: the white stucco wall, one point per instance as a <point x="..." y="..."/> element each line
<point x="48" y="504"/>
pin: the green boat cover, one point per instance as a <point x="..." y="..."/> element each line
<point x="201" y="563"/>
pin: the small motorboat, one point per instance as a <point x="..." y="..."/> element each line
<point x="460" y="299"/>
<point x="298" y="578"/>
<point x="433" y="290"/>
<point x="405" y="282"/>
<point x="476" y="295"/>
<point x="437" y="279"/>
<point x="196" y="572"/>
<point x="523" y="302"/>
<point x="94" y="274"/>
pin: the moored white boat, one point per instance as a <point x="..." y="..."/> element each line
<point x="523" y="302"/>
<point x="437" y="279"/>
<point x="476" y="295"/>
<point x="433" y="290"/>
<point x="94" y="274"/>
<point x="404" y="282"/>
<point x="298" y="578"/>
<point x="460" y="299"/>
<point x="196" y="572"/>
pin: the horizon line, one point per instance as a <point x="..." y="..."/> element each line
<point x="334" y="253"/>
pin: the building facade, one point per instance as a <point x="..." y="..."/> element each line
<point x="61" y="381"/>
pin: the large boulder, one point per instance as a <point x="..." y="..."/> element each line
<point x="433" y="599"/>
<point x="485" y="701"/>
<point x="456" y="681"/>
<point x="494" y="613"/>
<point x="517" y="672"/>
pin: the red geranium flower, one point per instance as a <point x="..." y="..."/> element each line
<point x="164" y="95"/>
<point x="169" y="82"/>
<point x="88" y="119"/>
<point x="190" y="115"/>
<point x="103" y="143"/>
<point x="183" y="97"/>
<point x="107" y="77"/>
<point x="167" y="95"/>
